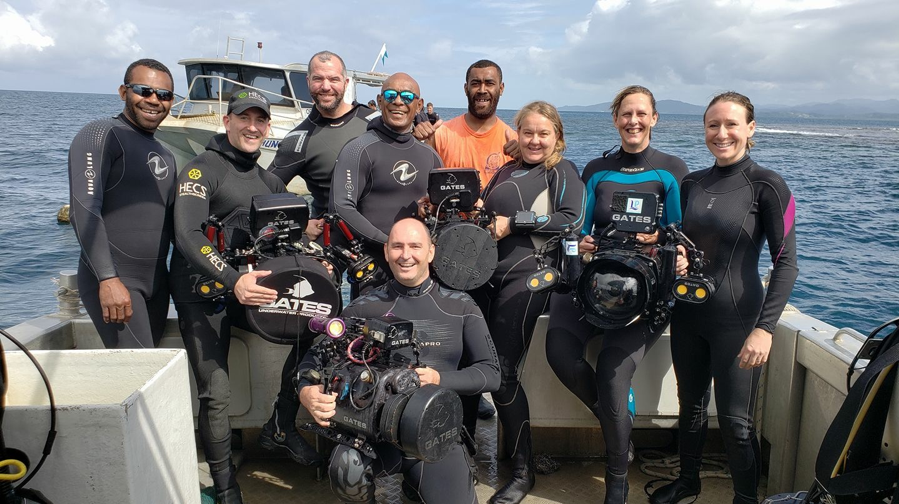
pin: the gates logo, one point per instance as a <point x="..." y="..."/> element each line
<point x="300" y="289"/>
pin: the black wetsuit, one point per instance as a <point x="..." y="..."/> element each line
<point x="604" y="387"/>
<point x="453" y="332"/>
<point x="729" y="212"/>
<point x="377" y="181"/>
<point x="121" y="187"/>
<point x="557" y="197"/>
<point x="310" y="150"/>
<point x="216" y="183"/>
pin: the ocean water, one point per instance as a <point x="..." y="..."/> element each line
<point x="844" y="175"/>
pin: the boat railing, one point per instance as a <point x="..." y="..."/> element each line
<point x="221" y="102"/>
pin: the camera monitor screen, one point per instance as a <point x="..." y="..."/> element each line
<point x="281" y="209"/>
<point x="447" y="184"/>
<point x="634" y="212"/>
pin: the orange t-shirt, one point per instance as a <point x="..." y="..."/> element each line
<point x="461" y="147"/>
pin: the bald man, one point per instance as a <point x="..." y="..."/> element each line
<point x="381" y="174"/>
<point x="458" y="353"/>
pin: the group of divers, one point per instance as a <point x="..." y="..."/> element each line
<point x="126" y="216"/>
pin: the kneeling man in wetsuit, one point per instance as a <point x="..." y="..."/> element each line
<point x="452" y="330"/>
<point x="216" y="183"/>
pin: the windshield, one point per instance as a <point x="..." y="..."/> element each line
<point x="267" y="79"/>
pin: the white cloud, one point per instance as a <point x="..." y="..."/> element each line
<point x="18" y="33"/>
<point x="441" y="50"/>
<point x="784" y="50"/>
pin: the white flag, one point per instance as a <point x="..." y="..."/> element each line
<point x="381" y="56"/>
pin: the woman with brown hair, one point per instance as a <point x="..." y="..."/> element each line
<point x="604" y="386"/>
<point x="729" y="211"/>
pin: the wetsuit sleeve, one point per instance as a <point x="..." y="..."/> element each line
<point x="482" y="372"/>
<point x="672" y="211"/>
<point x="349" y="183"/>
<point x="290" y="160"/>
<point x="310" y="361"/>
<point x="568" y="202"/>
<point x="590" y="179"/>
<point x="91" y="157"/>
<point x="191" y="212"/>
<point x="778" y="213"/>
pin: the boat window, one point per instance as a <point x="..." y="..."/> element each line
<point x="268" y="80"/>
<point x="300" y="87"/>
<point x="208" y="89"/>
<point x="200" y="90"/>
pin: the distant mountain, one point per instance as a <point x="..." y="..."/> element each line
<point x="664" y="107"/>
<point x="844" y="108"/>
<point x="840" y="108"/>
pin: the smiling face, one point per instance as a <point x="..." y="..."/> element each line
<point x="537" y="138"/>
<point x="409" y="251"/>
<point x="246" y="131"/>
<point x="483" y="90"/>
<point x="634" y="121"/>
<point x="327" y="84"/>
<point x="397" y="115"/>
<point x="727" y="131"/>
<point x="146" y="113"/>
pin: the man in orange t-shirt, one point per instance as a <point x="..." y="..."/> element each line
<point x="476" y="139"/>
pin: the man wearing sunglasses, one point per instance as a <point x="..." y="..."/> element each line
<point x="121" y="188"/>
<point x="310" y="150"/>
<point x="380" y="175"/>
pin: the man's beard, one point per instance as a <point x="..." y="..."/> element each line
<point x="338" y="99"/>
<point x="491" y="110"/>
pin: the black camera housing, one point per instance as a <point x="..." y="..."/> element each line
<point x="626" y="280"/>
<point x="457" y="188"/>
<point x="379" y="394"/>
<point x="634" y="212"/>
<point x="280" y="214"/>
<point x="466" y="254"/>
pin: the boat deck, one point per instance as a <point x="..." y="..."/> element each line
<point x="265" y="480"/>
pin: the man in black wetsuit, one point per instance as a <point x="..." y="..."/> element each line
<point x="217" y="183"/>
<point x="310" y="150"/>
<point x="381" y="174"/>
<point x="452" y="330"/>
<point x="121" y="188"/>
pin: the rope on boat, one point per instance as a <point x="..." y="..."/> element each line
<point x="652" y="460"/>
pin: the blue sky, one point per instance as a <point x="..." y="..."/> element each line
<point x="566" y="52"/>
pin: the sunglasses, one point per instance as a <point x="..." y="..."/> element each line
<point x="391" y="94"/>
<point x="147" y="91"/>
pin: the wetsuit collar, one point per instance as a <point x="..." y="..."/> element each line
<point x="420" y="290"/>
<point x="737" y="167"/>
<point x="317" y="118"/>
<point x="124" y="119"/>
<point x="219" y="143"/>
<point x="378" y="125"/>
<point x="528" y="166"/>
<point x="623" y="154"/>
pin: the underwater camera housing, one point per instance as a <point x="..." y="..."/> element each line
<point x="465" y="253"/>
<point x="269" y="236"/>
<point x="379" y="394"/>
<point x="625" y="280"/>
